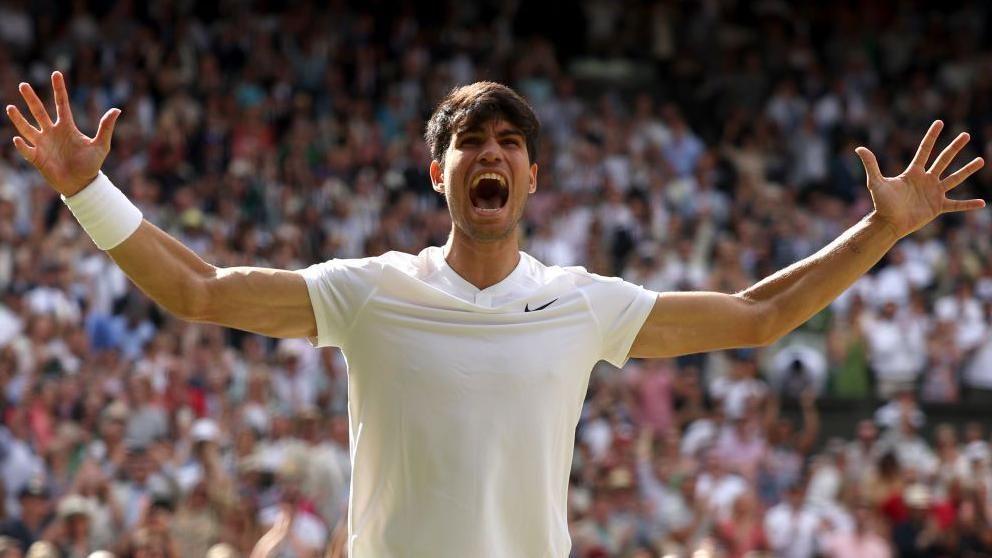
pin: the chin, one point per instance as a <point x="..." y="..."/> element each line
<point x="487" y="230"/>
<point x="490" y="234"/>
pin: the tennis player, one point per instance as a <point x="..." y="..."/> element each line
<point x="469" y="362"/>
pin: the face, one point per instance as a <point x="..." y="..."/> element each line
<point x="34" y="506"/>
<point x="78" y="525"/>
<point x="867" y="431"/>
<point x="486" y="178"/>
<point x="795" y="496"/>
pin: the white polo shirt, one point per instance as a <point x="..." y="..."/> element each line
<point x="462" y="402"/>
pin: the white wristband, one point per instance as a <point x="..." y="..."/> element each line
<point x="104" y="212"/>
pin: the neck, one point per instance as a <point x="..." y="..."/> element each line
<point x="32" y="522"/>
<point x="482" y="264"/>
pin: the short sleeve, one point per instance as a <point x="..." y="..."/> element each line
<point x="620" y="308"/>
<point x="338" y="290"/>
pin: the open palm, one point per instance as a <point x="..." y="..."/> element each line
<point x="67" y="158"/>
<point x="918" y="195"/>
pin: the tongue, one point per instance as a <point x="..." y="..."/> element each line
<point x="487" y="195"/>
<point x="488" y="202"/>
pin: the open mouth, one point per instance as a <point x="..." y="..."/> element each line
<point x="489" y="192"/>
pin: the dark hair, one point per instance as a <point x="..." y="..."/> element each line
<point x="472" y="105"/>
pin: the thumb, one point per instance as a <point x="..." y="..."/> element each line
<point x="106" y="129"/>
<point x="871" y="165"/>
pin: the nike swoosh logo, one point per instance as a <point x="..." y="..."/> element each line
<point x="527" y="307"/>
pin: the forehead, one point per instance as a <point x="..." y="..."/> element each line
<point x="495" y="126"/>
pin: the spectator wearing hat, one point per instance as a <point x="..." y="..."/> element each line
<point x="918" y="535"/>
<point x="35" y="514"/>
<point x="71" y="532"/>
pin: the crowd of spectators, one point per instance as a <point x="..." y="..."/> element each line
<point x="685" y="145"/>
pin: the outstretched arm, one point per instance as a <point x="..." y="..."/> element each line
<point x="271" y="302"/>
<point x="684" y="323"/>
<point x="267" y="301"/>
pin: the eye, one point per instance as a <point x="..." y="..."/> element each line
<point x="470" y="140"/>
<point x="511" y="142"/>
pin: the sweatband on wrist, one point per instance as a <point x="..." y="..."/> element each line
<point x="104" y="212"/>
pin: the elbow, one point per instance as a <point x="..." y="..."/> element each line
<point x="763" y="324"/>
<point x="193" y="303"/>
<point x="766" y="335"/>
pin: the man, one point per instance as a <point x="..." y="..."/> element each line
<point x="791" y="525"/>
<point x="469" y="362"/>
<point x="73" y="534"/>
<point x="35" y="516"/>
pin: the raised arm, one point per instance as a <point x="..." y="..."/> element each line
<point x="266" y="301"/>
<point x="684" y="323"/>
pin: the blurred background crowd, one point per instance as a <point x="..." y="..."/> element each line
<point x="685" y="145"/>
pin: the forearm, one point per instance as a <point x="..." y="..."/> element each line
<point x="811" y="426"/>
<point x="793" y="295"/>
<point x="164" y="269"/>
<point x="267" y="545"/>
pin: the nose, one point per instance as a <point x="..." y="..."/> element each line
<point x="491" y="152"/>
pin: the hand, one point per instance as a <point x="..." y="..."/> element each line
<point x="68" y="159"/>
<point x="912" y="199"/>
<point x="280" y="529"/>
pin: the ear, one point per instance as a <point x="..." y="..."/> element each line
<point x="533" y="178"/>
<point x="437" y="176"/>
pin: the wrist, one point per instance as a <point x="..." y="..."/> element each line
<point x="73" y="189"/>
<point x="105" y="213"/>
<point x="884" y="226"/>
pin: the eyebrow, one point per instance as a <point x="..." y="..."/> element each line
<point x="512" y="131"/>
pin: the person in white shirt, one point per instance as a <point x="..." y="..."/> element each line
<point x="468" y="363"/>
<point x="897" y="350"/>
<point x="792" y="526"/>
<point x="964" y="312"/>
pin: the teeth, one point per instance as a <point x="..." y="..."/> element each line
<point x="490" y="176"/>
